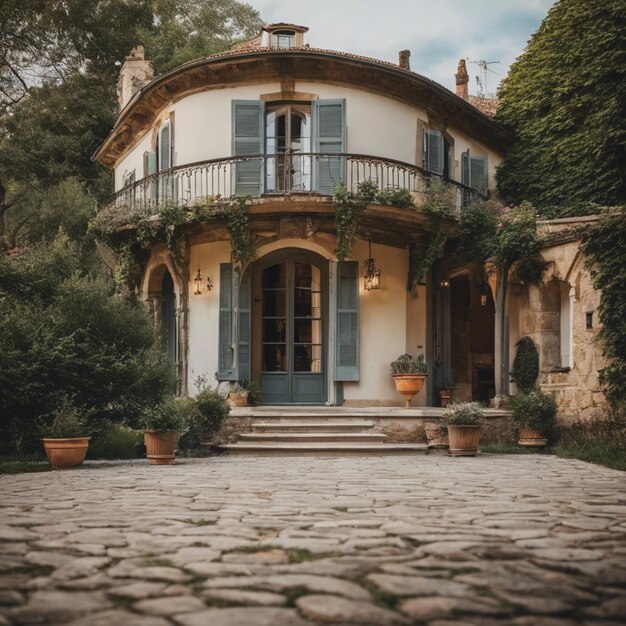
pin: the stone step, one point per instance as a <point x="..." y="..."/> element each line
<point x="324" y="449"/>
<point x="307" y="437"/>
<point x="328" y="426"/>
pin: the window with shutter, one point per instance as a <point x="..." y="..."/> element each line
<point x="226" y="358"/>
<point x="248" y="140"/>
<point x="244" y="327"/>
<point x="330" y="136"/>
<point x="474" y="172"/>
<point x="434" y="152"/>
<point x="347" y="322"/>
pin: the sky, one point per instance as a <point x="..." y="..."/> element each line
<point x="437" y="32"/>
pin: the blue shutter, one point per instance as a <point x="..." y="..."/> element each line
<point x="225" y="349"/>
<point x="329" y="119"/>
<point x="433" y="151"/>
<point x="465" y="169"/>
<point x="347" y="322"/>
<point x="243" y="327"/>
<point x="478" y="173"/>
<point x="248" y="139"/>
<point x="165" y="147"/>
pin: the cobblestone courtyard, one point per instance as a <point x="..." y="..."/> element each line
<point x="291" y="541"/>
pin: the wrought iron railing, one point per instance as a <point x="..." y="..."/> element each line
<point x="263" y="175"/>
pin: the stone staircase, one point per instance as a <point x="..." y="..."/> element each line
<point x="314" y="431"/>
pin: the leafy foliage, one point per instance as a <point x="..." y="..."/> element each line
<point x="170" y="415"/>
<point x="349" y="212"/>
<point x="525" y="369"/>
<point x="63" y="333"/>
<point x="407" y="364"/>
<point x="534" y="409"/>
<point x="564" y="99"/>
<point x="463" y="414"/>
<point x="69" y="421"/>
<point x="604" y="246"/>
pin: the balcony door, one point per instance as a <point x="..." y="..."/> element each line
<point x="288" y="137"/>
<point x="293" y="330"/>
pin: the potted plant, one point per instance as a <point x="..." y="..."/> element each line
<point x="238" y="395"/>
<point x="464" y="421"/>
<point x="162" y="424"/>
<point x="65" y="440"/>
<point x="444" y="392"/>
<point x="534" y="413"/>
<point x="409" y="375"/>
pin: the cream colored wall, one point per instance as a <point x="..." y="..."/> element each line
<point x="391" y="321"/>
<point x="204" y="311"/>
<point x="376" y="125"/>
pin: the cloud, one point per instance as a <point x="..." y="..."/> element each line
<point x="437" y="33"/>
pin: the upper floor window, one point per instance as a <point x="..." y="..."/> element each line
<point x="283" y="39"/>
<point x="436" y="151"/>
<point x="474" y="172"/>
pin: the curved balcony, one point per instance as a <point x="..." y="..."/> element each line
<point x="269" y="175"/>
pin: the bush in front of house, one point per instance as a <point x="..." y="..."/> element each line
<point x="66" y="333"/>
<point x="525" y="369"/>
<point x="115" y="441"/>
<point x="533" y="409"/>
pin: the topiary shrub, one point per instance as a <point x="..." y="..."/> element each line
<point x="525" y="365"/>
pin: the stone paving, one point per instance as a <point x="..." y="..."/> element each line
<point x="295" y="541"/>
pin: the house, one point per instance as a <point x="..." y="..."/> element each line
<point x="284" y="124"/>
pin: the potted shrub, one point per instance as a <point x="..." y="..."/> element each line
<point x="444" y="392"/>
<point x="409" y="375"/>
<point x="65" y="440"/>
<point x="464" y="421"/>
<point x="534" y="413"/>
<point x="525" y="370"/>
<point x="162" y="424"/>
<point x="238" y="395"/>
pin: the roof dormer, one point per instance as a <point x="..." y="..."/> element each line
<point x="282" y="35"/>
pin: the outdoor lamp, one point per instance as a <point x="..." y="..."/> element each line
<point x="371" y="280"/>
<point x="198" y="283"/>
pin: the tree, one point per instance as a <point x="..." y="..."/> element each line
<point x="564" y="100"/>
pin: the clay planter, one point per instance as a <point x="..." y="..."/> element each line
<point x="444" y="397"/>
<point x="69" y="452"/>
<point x="532" y="438"/>
<point x="464" y="440"/>
<point x="160" y="447"/>
<point x="409" y="385"/>
<point x="238" y="399"/>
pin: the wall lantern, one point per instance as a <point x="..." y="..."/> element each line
<point x="198" y="284"/>
<point x="483" y="300"/>
<point x="445" y="283"/>
<point x="371" y="280"/>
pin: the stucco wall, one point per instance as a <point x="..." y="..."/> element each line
<point x="376" y="125"/>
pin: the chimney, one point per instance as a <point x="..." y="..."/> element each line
<point x="135" y="73"/>
<point x="404" y="63"/>
<point x="462" y="79"/>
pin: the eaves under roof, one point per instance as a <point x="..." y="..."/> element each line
<point x="259" y="64"/>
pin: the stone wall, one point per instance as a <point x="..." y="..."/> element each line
<point x="566" y="289"/>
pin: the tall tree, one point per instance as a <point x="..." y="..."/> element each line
<point x="565" y="100"/>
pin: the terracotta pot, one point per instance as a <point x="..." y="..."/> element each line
<point x="160" y="447"/>
<point x="464" y="440"/>
<point x="444" y="396"/>
<point x="409" y="385"/>
<point x="69" y="452"/>
<point x="532" y="438"/>
<point x="237" y="399"/>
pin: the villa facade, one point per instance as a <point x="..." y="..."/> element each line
<point x="284" y="124"/>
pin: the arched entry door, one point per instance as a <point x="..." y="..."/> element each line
<point x="292" y="295"/>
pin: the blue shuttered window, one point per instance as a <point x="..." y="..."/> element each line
<point x="248" y="139"/>
<point x="244" y="321"/>
<point x="347" y="322"/>
<point x="226" y="356"/>
<point x="474" y="172"/>
<point x="434" y="152"/>
<point x="329" y="118"/>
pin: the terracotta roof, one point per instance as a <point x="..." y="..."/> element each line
<point x="487" y="106"/>
<point x="276" y="25"/>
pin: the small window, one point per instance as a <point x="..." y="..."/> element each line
<point x="284" y="39"/>
<point x="474" y="172"/>
<point x="589" y="321"/>
<point x="434" y="152"/>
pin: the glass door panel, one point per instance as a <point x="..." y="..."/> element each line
<point x="274" y="318"/>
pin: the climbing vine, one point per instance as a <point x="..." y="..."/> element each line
<point x="239" y="232"/>
<point x="349" y="212"/>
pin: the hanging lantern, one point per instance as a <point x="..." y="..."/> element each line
<point x="371" y="280"/>
<point x="198" y="283"/>
<point x="483" y="300"/>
